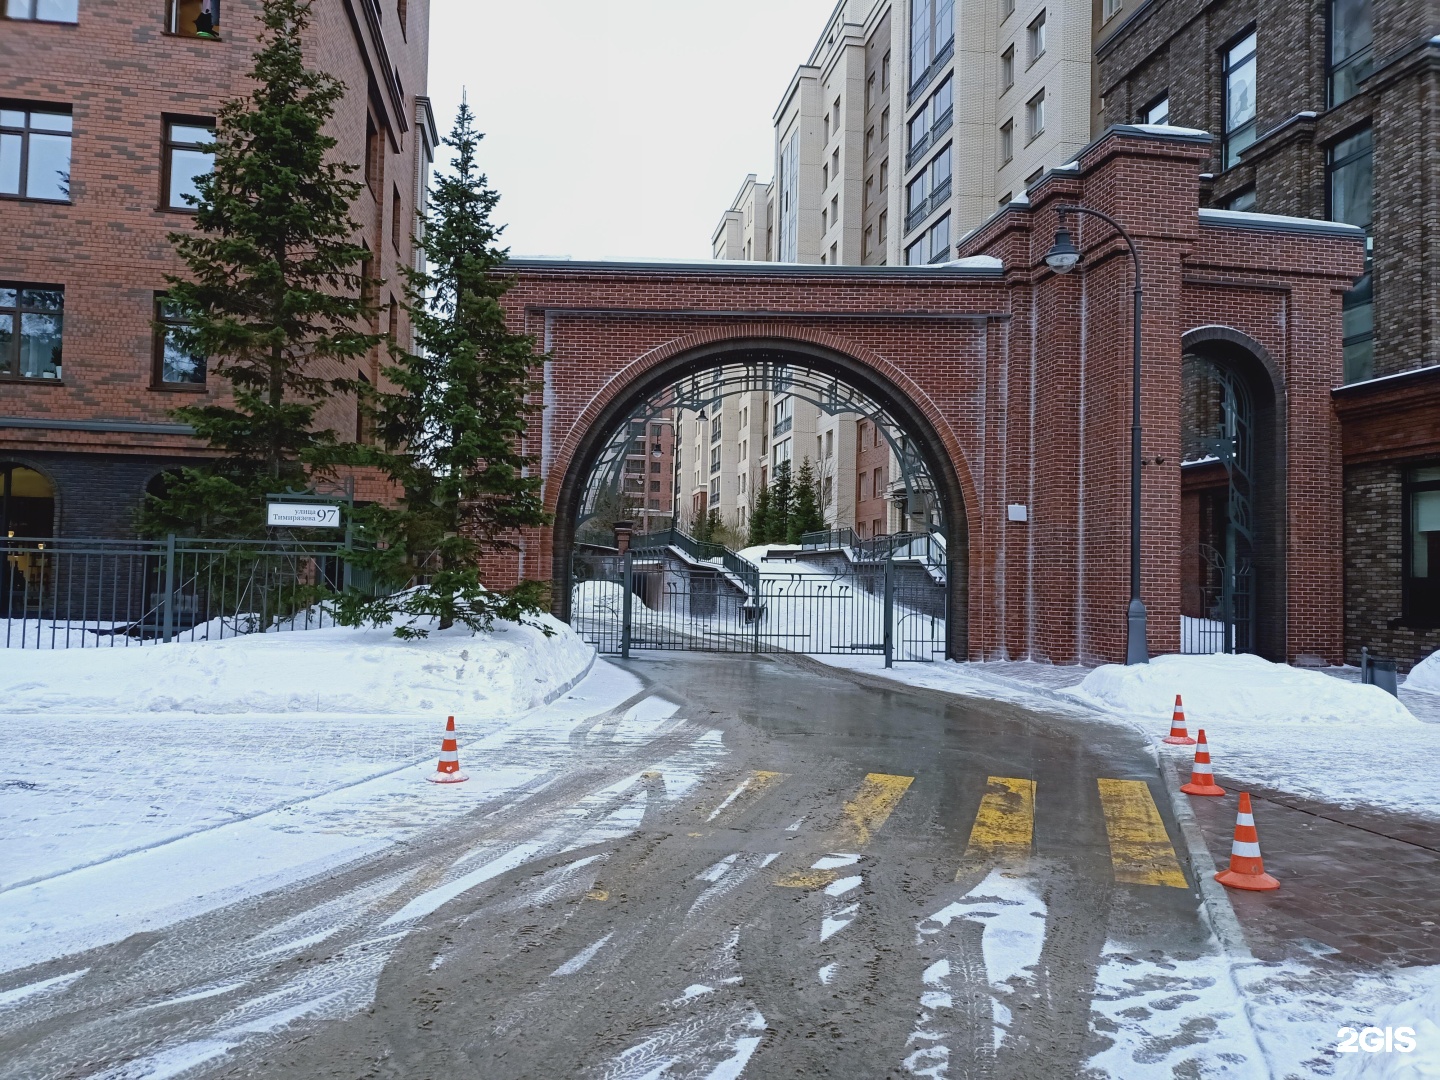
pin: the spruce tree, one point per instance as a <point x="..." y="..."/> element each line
<point x="451" y="432"/>
<point x="782" y="493"/>
<point x="805" y="513"/>
<point x="760" y="518"/>
<point x="273" y="294"/>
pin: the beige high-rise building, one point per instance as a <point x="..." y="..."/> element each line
<point x="912" y="122"/>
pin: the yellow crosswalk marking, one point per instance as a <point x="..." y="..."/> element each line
<point x="805" y="879"/>
<point x="872" y="804"/>
<point x="1140" y="848"/>
<point x="754" y="784"/>
<point x="1005" y="823"/>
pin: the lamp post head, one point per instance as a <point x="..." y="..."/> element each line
<point x="1063" y="254"/>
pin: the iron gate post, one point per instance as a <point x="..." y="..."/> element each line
<point x="890" y="612"/>
<point x="628" y="577"/>
<point x="167" y="619"/>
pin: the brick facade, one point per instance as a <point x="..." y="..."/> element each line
<point x="103" y="431"/>
<point x="1016" y="383"/>
<point x="1175" y="47"/>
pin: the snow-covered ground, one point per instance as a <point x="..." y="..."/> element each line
<point x="136" y="794"/>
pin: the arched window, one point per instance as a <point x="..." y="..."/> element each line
<point x="27" y="502"/>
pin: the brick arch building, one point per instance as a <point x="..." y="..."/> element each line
<point x="1016" y="382"/>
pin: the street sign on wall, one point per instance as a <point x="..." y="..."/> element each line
<point x="303" y="515"/>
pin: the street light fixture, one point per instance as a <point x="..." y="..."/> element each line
<point x="1063" y="257"/>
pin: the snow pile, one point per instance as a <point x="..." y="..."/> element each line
<point x="595" y="598"/>
<point x="1425" y="675"/>
<point x="331" y="670"/>
<point x="1241" y="688"/>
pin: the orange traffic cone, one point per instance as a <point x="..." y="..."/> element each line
<point x="448" y="769"/>
<point x="1178" y="735"/>
<point x="1202" y="780"/>
<point x="1247" y="870"/>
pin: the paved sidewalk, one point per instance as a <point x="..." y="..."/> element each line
<point x="1359" y="884"/>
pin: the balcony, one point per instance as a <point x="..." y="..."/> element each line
<point x="926" y="77"/>
<point x="943" y="255"/>
<point x="942" y="124"/>
<point x="782" y="426"/>
<point x="916" y="216"/>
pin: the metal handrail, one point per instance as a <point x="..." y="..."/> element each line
<point x="702" y="551"/>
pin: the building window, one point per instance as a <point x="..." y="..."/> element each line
<point x="932" y="121"/>
<point x="397" y="221"/>
<point x="933" y="247"/>
<point x="885" y="124"/>
<point x="43" y="10"/>
<point x="32" y="318"/>
<point x="1112" y="8"/>
<point x="1007" y="142"/>
<point x="1035" y="38"/>
<point x="1352" y="40"/>
<point x="870" y="93"/>
<point x="1005" y="199"/>
<point x="932" y="38"/>
<point x="883" y="225"/>
<point x="1239" y="98"/>
<point x="789" y="188"/>
<point x="654" y="485"/>
<point x="715" y="429"/>
<point x="193" y="18"/>
<point x="1007" y="8"/>
<point x="1243" y="200"/>
<point x="1035" y="115"/>
<point x="1158" y="111"/>
<point x="1351" y="183"/>
<point x="869" y="142"/>
<point x="1007" y="69"/>
<point x="185" y="161"/>
<point x="1422" y="546"/>
<point x="35" y="153"/>
<point x="374" y="157"/>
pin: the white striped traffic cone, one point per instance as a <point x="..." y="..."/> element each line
<point x="1247" y="869"/>
<point x="448" y="769"/>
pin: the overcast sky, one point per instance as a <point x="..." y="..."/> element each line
<point x="619" y="128"/>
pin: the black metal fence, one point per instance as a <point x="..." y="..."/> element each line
<point x="648" y="599"/>
<point x="58" y="594"/>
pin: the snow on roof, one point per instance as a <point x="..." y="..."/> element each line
<point x="977" y="262"/>
<point x="1248" y="219"/>
<point x="1167" y="129"/>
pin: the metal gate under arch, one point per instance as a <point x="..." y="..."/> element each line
<point x="1218" y="604"/>
<point x="830" y="595"/>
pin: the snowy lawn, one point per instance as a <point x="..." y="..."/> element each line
<point x="263" y="753"/>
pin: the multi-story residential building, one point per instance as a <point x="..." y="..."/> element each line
<point x="1328" y="110"/>
<point x="912" y="121"/>
<point x="647" y="479"/>
<point x="96" y="160"/>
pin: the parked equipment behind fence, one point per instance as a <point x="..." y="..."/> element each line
<point x="59" y="594"/>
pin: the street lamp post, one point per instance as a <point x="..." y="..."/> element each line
<point x="1063" y="257"/>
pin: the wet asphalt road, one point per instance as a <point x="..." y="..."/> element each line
<point x="814" y="924"/>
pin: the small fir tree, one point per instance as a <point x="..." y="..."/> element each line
<point x="273" y="296"/>
<point x="759" y="528"/>
<point x="782" y="495"/>
<point x="714" y="527"/>
<point x="805" y="513"/>
<point x="451" y="433"/>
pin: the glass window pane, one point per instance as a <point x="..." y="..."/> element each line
<point x="47" y="172"/>
<point x="12" y="118"/>
<point x="915" y="253"/>
<point x="190" y="133"/>
<point x="1240" y="95"/>
<point x="45" y="121"/>
<point x="57" y="10"/>
<point x="944" y="97"/>
<point x="1425" y="533"/>
<point x="179" y="363"/>
<point x="9" y="164"/>
<point x="7" y="339"/>
<point x="40" y="346"/>
<point x="940" y="237"/>
<point x="185" y="166"/>
<point x="940" y="169"/>
<point x="1350" y="28"/>
<point x="17" y="9"/>
<point x="1352" y="183"/>
<point x="944" y="23"/>
<point x="1241" y="49"/>
<point x="7" y="298"/>
<point x="43" y="299"/>
<point x="915" y="194"/>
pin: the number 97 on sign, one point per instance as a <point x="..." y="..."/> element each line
<point x="1373" y="1040"/>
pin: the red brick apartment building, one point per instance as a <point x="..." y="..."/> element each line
<point x="101" y="102"/>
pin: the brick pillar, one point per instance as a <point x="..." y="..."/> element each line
<point x="623" y="529"/>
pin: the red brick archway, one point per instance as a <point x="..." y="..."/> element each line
<point x="1015" y="381"/>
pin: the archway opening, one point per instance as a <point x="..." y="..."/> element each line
<point x="1232" y="478"/>
<point x="691" y="453"/>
